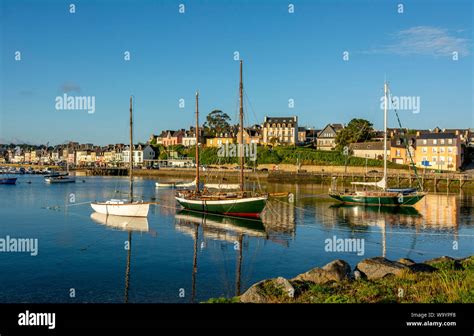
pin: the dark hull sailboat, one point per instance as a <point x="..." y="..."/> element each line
<point x="383" y="197"/>
<point x="237" y="203"/>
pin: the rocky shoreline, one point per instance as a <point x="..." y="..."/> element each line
<point x="442" y="279"/>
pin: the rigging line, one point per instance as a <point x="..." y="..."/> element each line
<point x="420" y="185"/>
<point x="250" y="104"/>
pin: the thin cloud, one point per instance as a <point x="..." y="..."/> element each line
<point x="425" y="40"/>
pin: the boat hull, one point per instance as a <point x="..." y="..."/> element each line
<point x="244" y="207"/>
<point x="127" y="209"/>
<point x="56" y="180"/>
<point x="8" y="180"/>
<point x="175" y="185"/>
<point x="398" y="200"/>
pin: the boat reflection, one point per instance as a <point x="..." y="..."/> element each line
<point x="123" y="223"/>
<point x="220" y="228"/>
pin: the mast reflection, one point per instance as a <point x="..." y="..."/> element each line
<point x="123" y="223"/>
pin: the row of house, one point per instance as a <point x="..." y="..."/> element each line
<point x="74" y="154"/>
<point x="436" y="149"/>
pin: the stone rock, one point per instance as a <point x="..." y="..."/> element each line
<point x="378" y="267"/>
<point x="285" y="285"/>
<point x="358" y="275"/>
<point x="258" y="294"/>
<point x="406" y="261"/>
<point x="337" y="270"/>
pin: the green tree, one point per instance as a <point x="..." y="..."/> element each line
<point x="358" y="130"/>
<point x="217" y="122"/>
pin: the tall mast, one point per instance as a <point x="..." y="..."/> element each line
<point x="385" y="89"/>
<point x="241" y="137"/>
<point x="197" y="141"/>
<point x="131" y="151"/>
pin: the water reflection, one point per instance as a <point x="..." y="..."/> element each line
<point x="130" y="224"/>
<point x="221" y="228"/>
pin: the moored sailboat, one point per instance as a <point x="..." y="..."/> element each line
<point x="129" y="207"/>
<point x="239" y="203"/>
<point x="8" y="180"/>
<point x="383" y="196"/>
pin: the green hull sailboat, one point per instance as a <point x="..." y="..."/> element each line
<point x="229" y="206"/>
<point x="383" y="197"/>
<point x="238" y="203"/>
<point x="378" y="198"/>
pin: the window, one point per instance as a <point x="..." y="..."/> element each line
<point x="450" y="159"/>
<point x="434" y="150"/>
<point x="435" y="142"/>
<point x="441" y="150"/>
<point x="441" y="158"/>
<point x="397" y="153"/>
<point x="424" y="150"/>
<point x="424" y="158"/>
<point x="450" y="141"/>
<point x="424" y="141"/>
<point x="450" y="149"/>
<point x="442" y="141"/>
<point x="434" y="158"/>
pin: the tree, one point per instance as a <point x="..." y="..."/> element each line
<point x="358" y="130"/>
<point x="217" y="122"/>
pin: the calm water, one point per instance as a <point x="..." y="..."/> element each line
<point x="89" y="254"/>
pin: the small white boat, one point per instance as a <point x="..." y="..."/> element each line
<point x="176" y="185"/>
<point x="119" y="207"/>
<point x="60" y="179"/>
<point x="222" y="186"/>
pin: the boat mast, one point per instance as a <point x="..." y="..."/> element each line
<point x="385" y="89"/>
<point x="241" y="136"/>
<point x="197" y="141"/>
<point x="131" y="151"/>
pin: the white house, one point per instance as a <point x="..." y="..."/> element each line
<point x="140" y="154"/>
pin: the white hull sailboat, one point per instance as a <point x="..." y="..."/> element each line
<point x="122" y="208"/>
<point x="129" y="208"/>
<point x="176" y="185"/>
<point x="60" y="179"/>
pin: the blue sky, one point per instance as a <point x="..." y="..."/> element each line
<point x="286" y="56"/>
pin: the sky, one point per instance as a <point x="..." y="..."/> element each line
<point x="298" y="56"/>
